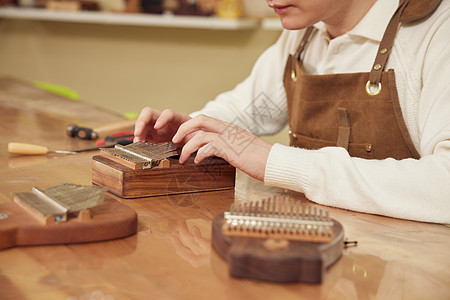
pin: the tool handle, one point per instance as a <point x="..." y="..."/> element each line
<point x="115" y="127"/>
<point x="22" y="148"/>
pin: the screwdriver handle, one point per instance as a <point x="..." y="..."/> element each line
<point x="124" y="125"/>
<point x="23" y="148"/>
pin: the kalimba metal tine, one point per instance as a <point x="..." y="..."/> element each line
<point x="142" y="155"/>
<point x="278" y="217"/>
<point x="55" y="203"/>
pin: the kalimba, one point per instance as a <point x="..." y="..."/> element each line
<point x="64" y="214"/>
<point x="152" y="169"/>
<point x="277" y="240"/>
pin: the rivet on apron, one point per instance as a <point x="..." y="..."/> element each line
<point x="383" y="51"/>
<point x="369" y="148"/>
<point x="377" y="67"/>
<point x="294" y="75"/>
<point x="292" y="135"/>
<point x="369" y="90"/>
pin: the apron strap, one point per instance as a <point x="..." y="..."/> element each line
<point x="384" y="50"/>
<point x="299" y="51"/>
<point x="303" y="42"/>
<point x="344" y="128"/>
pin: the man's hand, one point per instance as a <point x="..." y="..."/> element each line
<point x="155" y="126"/>
<point x="212" y="137"/>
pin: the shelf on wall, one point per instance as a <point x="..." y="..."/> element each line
<point x="129" y="19"/>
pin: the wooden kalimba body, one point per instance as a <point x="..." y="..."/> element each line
<point x="152" y="169"/>
<point x="64" y="214"/>
<point x="277" y="240"/>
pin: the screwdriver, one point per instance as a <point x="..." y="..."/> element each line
<point x="23" y="148"/>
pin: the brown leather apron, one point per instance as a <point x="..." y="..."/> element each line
<point x="357" y="111"/>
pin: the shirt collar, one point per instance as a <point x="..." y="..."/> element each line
<point x="374" y="23"/>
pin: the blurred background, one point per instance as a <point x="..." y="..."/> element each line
<point x="128" y="54"/>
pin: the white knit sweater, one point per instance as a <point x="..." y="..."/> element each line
<point x="409" y="188"/>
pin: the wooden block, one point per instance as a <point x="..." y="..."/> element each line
<point x="210" y="175"/>
<point x="110" y="220"/>
<point x="277" y="260"/>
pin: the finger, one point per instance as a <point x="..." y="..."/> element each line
<point x="166" y="117"/>
<point x="144" y="123"/>
<point x="209" y="150"/>
<point x="170" y="116"/>
<point x="198" y="140"/>
<point x="200" y="122"/>
<point x="147" y="116"/>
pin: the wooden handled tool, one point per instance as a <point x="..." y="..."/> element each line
<point x="73" y="130"/>
<point x="114" y="127"/>
<point x="30" y="149"/>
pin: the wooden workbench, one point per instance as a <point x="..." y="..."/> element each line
<point x="170" y="257"/>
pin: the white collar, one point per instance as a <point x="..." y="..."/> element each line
<point x="374" y="23"/>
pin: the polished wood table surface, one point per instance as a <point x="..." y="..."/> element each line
<point x="171" y="257"/>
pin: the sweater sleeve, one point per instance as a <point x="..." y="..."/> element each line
<point x="258" y="104"/>
<point x="409" y="188"/>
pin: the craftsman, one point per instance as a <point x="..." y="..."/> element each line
<point x="365" y="92"/>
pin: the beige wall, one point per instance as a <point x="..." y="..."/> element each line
<point x="125" y="68"/>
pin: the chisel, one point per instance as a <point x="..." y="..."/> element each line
<point x="23" y="148"/>
<point x="31" y="149"/>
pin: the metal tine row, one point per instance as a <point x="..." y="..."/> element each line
<point x="124" y="155"/>
<point x="90" y="196"/>
<point x="39" y="204"/>
<point x="276" y="227"/>
<point x="76" y="197"/>
<point x="155" y="151"/>
<point x="279" y="207"/>
<point x="279" y="215"/>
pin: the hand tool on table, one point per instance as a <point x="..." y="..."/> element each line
<point x="23" y="148"/>
<point x="123" y="138"/>
<point x="31" y="149"/>
<point x="85" y="133"/>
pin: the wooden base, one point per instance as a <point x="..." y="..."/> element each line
<point x="210" y="175"/>
<point x="277" y="260"/>
<point x="110" y="220"/>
